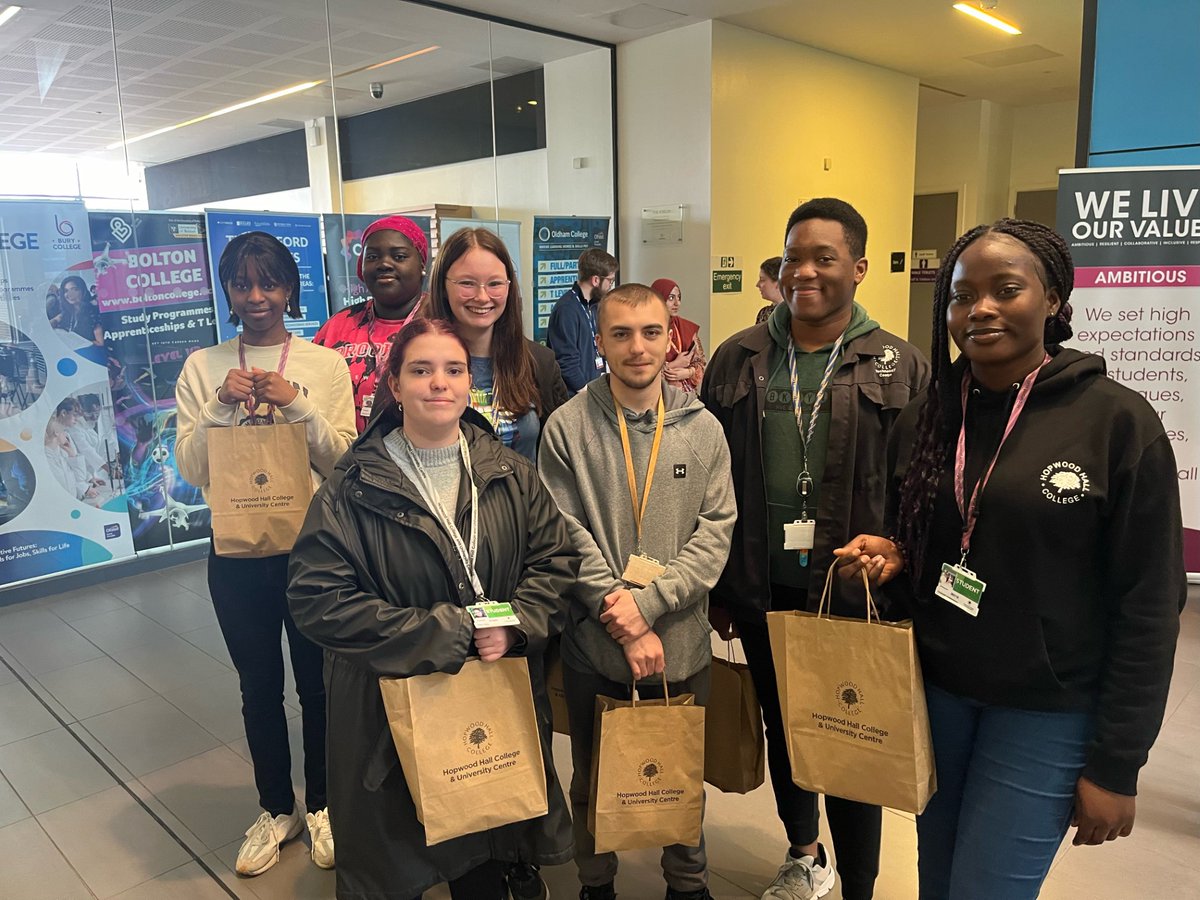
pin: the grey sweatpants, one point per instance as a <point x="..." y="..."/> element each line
<point x="684" y="868"/>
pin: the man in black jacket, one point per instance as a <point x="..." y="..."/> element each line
<point x="807" y="481"/>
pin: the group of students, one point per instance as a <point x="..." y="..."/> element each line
<point x="452" y="467"/>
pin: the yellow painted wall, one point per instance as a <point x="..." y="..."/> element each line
<point x="779" y="109"/>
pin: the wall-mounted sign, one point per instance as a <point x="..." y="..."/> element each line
<point x="727" y="282"/>
<point x="662" y="224"/>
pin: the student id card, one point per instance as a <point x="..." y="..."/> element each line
<point x="492" y="614"/>
<point x="960" y="586"/>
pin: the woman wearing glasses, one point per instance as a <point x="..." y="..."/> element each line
<point x="515" y="383"/>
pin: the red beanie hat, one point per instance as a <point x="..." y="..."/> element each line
<point x="406" y="227"/>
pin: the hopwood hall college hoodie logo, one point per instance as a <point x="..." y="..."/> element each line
<point x="1064" y="482"/>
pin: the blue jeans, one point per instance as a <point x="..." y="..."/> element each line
<point x="1006" y="790"/>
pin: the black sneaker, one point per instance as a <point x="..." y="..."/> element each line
<point x="603" y="892"/>
<point x="525" y="882"/>
<point x="701" y="894"/>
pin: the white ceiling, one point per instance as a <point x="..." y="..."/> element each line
<point x="183" y="58"/>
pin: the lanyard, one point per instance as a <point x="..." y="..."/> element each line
<point x="590" y="312"/>
<point x="466" y="555"/>
<point x="804" y="480"/>
<point x="640" y="511"/>
<point x="970" y="514"/>
<point x="252" y="403"/>
<point x="371" y="319"/>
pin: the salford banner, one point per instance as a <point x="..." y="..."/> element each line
<point x="1135" y="238"/>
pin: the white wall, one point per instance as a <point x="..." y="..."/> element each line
<point x="779" y="110"/>
<point x="578" y="94"/>
<point x="297" y="200"/>
<point x="664" y="110"/>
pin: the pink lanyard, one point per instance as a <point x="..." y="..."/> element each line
<point x="252" y="403"/>
<point x="970" y="514"/>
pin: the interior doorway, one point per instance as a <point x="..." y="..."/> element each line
<point x="935" y="228"/>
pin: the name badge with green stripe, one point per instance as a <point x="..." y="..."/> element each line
<point x="492" y="614"/>
<point x="960" y="586"/>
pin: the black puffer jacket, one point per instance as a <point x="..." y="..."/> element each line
<point x="377" y="583"/>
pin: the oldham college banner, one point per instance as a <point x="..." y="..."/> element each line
<point x="1135" y="238"/>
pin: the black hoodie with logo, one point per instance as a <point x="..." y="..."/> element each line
<point x="1079" y="539"/>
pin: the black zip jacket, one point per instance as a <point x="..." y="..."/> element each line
<point x="1079" y="540"/>
<point x="878" y="375"/>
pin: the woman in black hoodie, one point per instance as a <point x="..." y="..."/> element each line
<point x="1036" y="515"/>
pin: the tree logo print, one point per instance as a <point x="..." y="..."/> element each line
<point x="850" y="698"/>
<point x="477" y="737"/>
<point x="261" y="479"/>
<point x="650" y="771"/>
<point x="887" y="363"/>
<point x="1064" y="483"/>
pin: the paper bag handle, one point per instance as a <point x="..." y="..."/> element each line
<point x="827" y="594"/>
<point x="666" y="692"/>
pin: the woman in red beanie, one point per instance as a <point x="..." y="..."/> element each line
<point x="685" y="357"/>
<point x="392" y="265"/>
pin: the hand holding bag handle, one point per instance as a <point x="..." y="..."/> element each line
<point x="827" y="594"/>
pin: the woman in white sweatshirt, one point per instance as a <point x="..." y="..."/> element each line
<point x="242" y="382"/>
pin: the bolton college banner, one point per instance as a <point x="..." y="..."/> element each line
<point x="1135" y="238"/>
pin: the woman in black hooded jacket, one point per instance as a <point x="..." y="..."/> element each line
<point x="377" y="579"/>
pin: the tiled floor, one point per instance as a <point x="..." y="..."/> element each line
<point x="124" y="771"/>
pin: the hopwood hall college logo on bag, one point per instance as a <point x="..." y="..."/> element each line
<point x="478" y="737"/>
<point x="850" y="698"/>
<point x="650" y="772"/>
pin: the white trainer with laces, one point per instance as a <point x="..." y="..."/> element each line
<point x="802" y="879"/>
<point x="260" y="850"/>
<point x="321" y="837"/>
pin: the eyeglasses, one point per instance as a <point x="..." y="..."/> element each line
<point x="469" y="288"/>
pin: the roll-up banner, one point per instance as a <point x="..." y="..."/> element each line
<point x="156" y="307"/>
<point x="300" y="233"/>
<point x="62" y="488"/>
<point x="557" y="243"/>
<point x="1135" y="238"/>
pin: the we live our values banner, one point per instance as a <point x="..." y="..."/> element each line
<point x="1135" y="238"/>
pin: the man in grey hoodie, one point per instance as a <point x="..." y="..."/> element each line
<point x="641" y="602"/>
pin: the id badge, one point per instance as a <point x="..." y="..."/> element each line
<point x="492" y="614"/>
<point x="368" y="404"/>
<point x="599" y="363"/>
<point x="800" y="534"/>
<point x="641" y="570"/>
<point x="960" y="586"/>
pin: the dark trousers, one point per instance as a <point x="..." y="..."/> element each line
<point x="485" y="882"/>
<point x="250" y="599"/>
<point x="685" y="869"/>
<point x="855" y="826"/>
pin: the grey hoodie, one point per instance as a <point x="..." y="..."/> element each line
<point x="688" y="525"/>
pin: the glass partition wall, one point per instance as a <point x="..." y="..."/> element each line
<point x="137" y="136"/>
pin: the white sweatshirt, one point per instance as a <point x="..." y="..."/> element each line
<point x="324" y="404"/>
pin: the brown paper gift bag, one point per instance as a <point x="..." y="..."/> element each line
<point x="259" y="488"/>
<point x="555" y="688"/>
<point x="734" y="745"/>
<point x="853" y="706"/>
<point x="469" y="746"/>
<point x="647" y="787"/>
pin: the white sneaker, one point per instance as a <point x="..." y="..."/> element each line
<point x="260" y="850"/>
<point x="802" y="879"/>
<point x="322" y="838"/>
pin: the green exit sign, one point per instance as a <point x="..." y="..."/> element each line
<point x="727" y="282"/>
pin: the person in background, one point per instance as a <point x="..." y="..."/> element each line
<point x="572" y="331"/>
<point x="622" y="630"/>
<point x="768" y="287"/>
<point x="373" y="579"/>
<point x="242" y="382"/>
<point x="515" y="382"/>
<point x="685" y="363"/>
<point x="1048" y="493"/>
<point x="68" y="461"/>
<point x="391" y="264"/>
<point x="807" y="400"/>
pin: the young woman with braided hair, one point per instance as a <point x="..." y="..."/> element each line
<point x="1037" y="523"/>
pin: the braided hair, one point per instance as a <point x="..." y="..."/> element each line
<point x="940" y="416"/>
